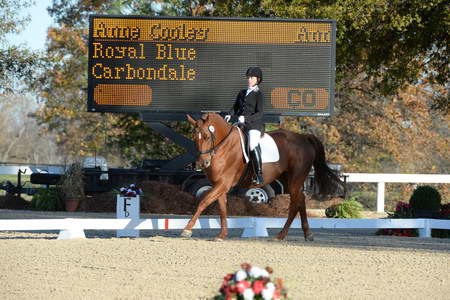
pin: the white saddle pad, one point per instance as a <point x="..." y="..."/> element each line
<point x="269" y="149"/>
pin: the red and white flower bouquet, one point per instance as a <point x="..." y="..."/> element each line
<point x="249" y="283"/>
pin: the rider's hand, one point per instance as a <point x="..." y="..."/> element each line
<point x="241" y="119"/>
<point x="227" y="118"/>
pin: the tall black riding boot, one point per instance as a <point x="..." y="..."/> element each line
<point x="257" y="165"/>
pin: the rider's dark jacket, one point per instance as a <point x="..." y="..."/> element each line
<point x="251" y="107"/>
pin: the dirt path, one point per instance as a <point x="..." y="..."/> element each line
<point x="160" y="265"/>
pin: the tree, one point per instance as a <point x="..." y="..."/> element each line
<point x="16" y="62"/>
<point x="21" y="139"/>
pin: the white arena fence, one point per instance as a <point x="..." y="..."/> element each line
<point x="252" y="226"/>
<point x="382" y="179"/>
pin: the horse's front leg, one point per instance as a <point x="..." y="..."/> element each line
<point x="223" y="218"/>
<point x="212" y="195"/>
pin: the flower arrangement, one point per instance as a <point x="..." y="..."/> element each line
<point x="445" y="211"/>
<point x="251" y="282"/>
<point x="131" y="191"/>
<point x="406" y="232"/>
<point x="403" y="210"/>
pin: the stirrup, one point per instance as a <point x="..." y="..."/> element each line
<point x="258" y="179"/>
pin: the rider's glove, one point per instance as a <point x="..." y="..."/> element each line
<point x="227" y="118"/>
<point x="241" y="119"/>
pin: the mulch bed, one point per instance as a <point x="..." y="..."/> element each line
<point x="14" y="202"/>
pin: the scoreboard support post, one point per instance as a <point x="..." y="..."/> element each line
<point x="182" y="160"/>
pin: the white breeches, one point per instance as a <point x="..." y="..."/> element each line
<point x="255" y="136"/>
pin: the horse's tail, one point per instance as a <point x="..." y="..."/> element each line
<point x="326" y="179"/>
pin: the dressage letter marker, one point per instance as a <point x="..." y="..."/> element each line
<point x="188" y="65"/>
<point x="128" y="208"/>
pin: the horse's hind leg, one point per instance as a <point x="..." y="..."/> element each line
<point x="304" y="217"/>
<point x="293" y="210"/>
<point x="297" y="204"/>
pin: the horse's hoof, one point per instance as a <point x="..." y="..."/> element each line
<point x="309" y="238"/>
<point x="218" y="239"/>
<point x="278" y="238"/>
<point x="186" y="233"/>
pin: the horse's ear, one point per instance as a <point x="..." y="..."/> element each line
<point x="205" y="117"/>
<point x="191" y="120"/>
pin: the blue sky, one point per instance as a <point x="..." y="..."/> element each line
<point x="35" y="33"/>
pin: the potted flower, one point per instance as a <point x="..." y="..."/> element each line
<point x="72" y="187"/>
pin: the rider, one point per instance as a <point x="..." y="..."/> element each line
<point x="249" y="110"/>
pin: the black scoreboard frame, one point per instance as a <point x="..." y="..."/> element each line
<point x="174" y="115"/>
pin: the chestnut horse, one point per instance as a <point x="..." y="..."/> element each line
<point x="221" y="157"/>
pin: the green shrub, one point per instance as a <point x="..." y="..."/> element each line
<point x="444" y="214"/>
<point x="440" y="233"/>
<point x="47" y="199"/>
<point x="425" y="198"/>
<point x="347" y="209"/>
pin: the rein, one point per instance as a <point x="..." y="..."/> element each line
<point x="214" y="148"/>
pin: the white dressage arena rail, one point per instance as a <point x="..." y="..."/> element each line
<point x="253" y="226"/>
<point x="381" y="179"/>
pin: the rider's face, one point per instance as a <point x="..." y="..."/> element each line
<point x="252" y="81"/>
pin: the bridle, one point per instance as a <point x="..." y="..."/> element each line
<point x="215" y="147"/>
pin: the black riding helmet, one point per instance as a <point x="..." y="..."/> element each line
<point x="256" y="72"/>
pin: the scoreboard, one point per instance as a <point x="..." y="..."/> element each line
<point x="189" y="65"/>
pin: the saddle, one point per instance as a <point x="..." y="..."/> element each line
<point x="269" y="149"/>
<point x="269" y="153"/>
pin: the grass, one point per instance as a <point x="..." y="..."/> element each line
<point x="13" y="178"/>
<point x="25" y="180"/>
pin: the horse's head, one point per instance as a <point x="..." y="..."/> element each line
<point x="209" y="131"/>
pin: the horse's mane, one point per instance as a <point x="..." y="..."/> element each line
<point x="213" y="118"/>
